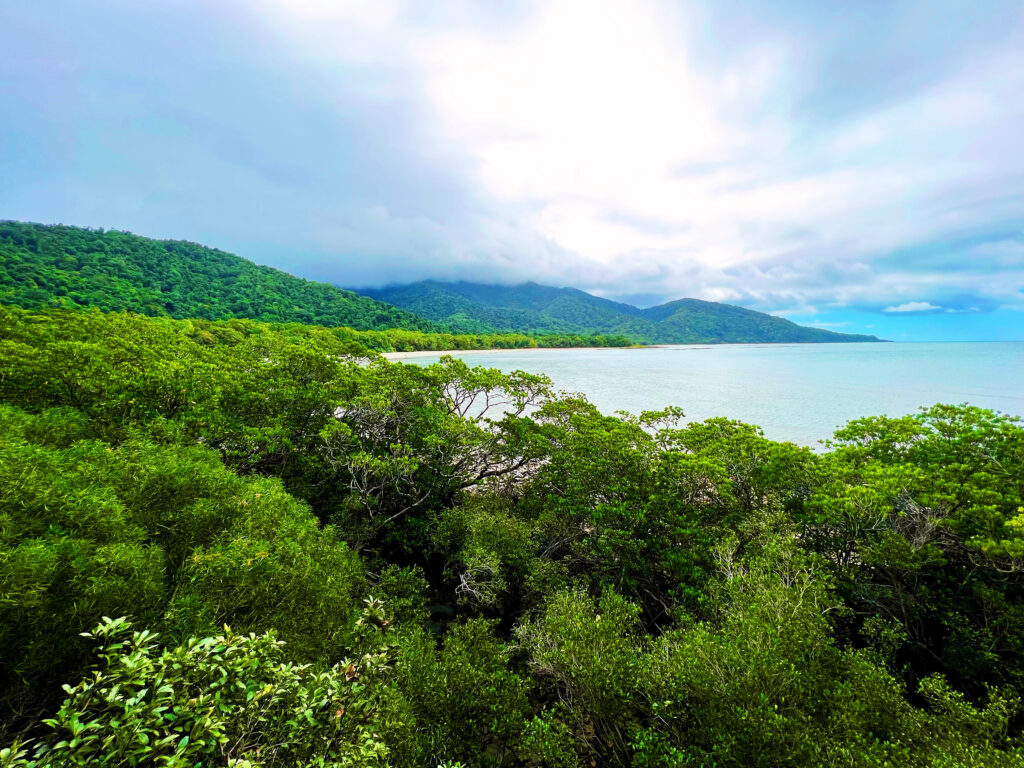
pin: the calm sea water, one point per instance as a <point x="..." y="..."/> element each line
<point x="796" y="392"/>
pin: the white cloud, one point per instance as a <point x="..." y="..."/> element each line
<point x="627" y="150"/>
<point x="627" y="147"/>
<point x="913" y="306"/>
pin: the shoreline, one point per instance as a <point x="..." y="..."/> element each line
<point x="705" y="345"/>
<point x="439" y="353"/>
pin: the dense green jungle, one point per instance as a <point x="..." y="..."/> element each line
<point x="44" y="266"/>
<point x="227" y="542"/>
<point x="542" y="309"/>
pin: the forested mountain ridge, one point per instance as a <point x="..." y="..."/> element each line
<point x="56" y="265"/>
<point x="541" y="308"/>
<point x="533" y="308"/>
<point x="64" y="266"/>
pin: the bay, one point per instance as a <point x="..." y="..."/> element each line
<point x="795" y="392"/>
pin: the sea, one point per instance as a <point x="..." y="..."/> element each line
<point x="795" y="392"/>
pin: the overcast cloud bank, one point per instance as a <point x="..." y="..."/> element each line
<point x="854" y="166"/>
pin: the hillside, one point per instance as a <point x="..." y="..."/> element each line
<point x="532" y="308"/>
<point x="540" y="308"/>
<point x="47" y="266"/>
<point x="63" y="266"/>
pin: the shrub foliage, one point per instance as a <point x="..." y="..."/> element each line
<point x="232" y="543"/>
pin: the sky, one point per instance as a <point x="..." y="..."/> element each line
<point x="853" y="165"/>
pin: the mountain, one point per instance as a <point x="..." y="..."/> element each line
<point x="57" y="265"/>
<point x="538" y="309"/>
<point x="531" y="308"/>
<point x="46" y="266"/>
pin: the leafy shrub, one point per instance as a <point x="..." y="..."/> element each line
<point x="469" y="705"/>
<point x="232" y="700"/>
<point x="164" y="534"/>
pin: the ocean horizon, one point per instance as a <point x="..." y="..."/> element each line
<point x="795" y="392"/>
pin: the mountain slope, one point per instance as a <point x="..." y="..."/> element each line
<point x="43" y="266"/>
<point x="529" y="308"/>
<point x="532" y="308"/>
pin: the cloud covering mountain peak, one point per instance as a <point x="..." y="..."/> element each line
<point x="823" y="162"/>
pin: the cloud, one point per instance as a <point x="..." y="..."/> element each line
<point x="792" y="157"/>
<point x="913" y="306"/>
<point x="654" y="166"/>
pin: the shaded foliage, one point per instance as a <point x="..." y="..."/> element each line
<point x="457" y="566"/>
<point x="164" y="533"/>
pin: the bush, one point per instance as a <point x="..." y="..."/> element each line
<point x="231" y="700"/>
<point x="163" y="534"/>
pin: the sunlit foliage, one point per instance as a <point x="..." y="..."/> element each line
<point x="446" y="565"/>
